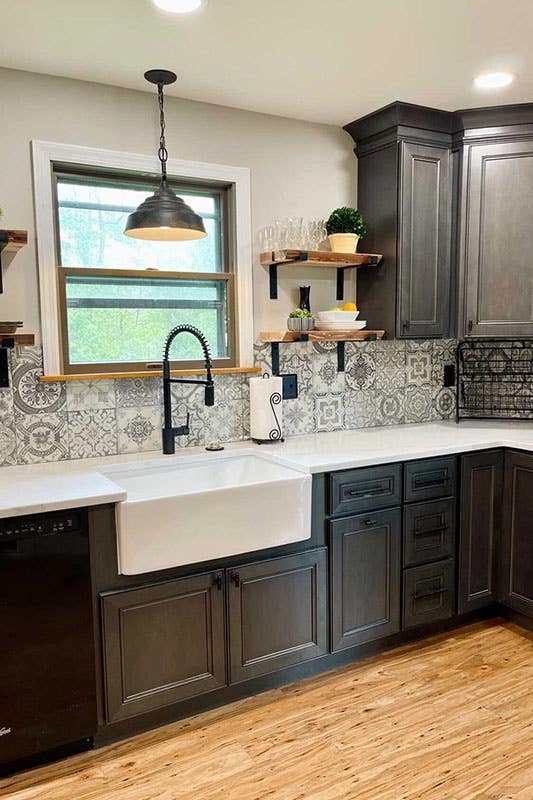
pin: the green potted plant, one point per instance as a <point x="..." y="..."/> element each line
<point x="345" y="227"/>
<point x="300" y="319"/>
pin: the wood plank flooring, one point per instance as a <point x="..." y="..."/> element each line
<point x="450" y="718"/>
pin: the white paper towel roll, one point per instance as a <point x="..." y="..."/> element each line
<point x="266" y="404"/>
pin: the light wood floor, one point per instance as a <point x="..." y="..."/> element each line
<point x="450" y="718"/>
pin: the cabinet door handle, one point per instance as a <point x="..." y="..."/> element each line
<point x="419" y="596"/>
<point x="218" y="582"/>
<point x="405" y="325"/>
<point x="370" y="522"/>
<point x="236" y="578"/>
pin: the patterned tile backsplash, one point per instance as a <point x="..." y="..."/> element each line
<point x="384" y="383"/>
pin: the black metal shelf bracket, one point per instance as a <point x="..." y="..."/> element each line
<point x="341" y="356"/>
<point x="273" y="281"/>
<point x="274" y="350"/>
<point x="340" y="283"/>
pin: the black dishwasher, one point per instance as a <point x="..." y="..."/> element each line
<point x="47" y="670"/>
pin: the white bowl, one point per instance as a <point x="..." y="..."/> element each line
<point x="337" y="326"/>
<point x="337" y="316"/>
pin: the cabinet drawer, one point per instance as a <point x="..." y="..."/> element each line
<point x="355" y="490"/>
<point x="428" y="594"/>
<point x="428" y="531"/>
<point x="428" y="479"/>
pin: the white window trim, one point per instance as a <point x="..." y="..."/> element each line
<point x="45" y="154"/>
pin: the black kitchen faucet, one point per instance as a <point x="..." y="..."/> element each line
<point x="169" y="432"/>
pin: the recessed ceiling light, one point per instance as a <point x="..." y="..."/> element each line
<point x="178" y="6"/>
<point x="494" y="80"/>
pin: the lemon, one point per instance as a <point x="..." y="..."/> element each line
<point x="349" y="307"/>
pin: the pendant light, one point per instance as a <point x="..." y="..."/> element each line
<point x="164" y="216"/>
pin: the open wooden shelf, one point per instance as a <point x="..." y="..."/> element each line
<point x="275" y="338"/>
<point x="317" y="258"/>
<point x="321" y="336"/>
<point x="19" y="339"/>
<point x="10" y="242"/>
<point x="322" y="258"/>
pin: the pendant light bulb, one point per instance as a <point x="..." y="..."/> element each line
<point x="164" y="216"/>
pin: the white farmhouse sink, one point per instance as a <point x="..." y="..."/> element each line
<point x="201" y="508"/>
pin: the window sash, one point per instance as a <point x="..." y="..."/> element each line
<point x="150" y="183"/>
<point x="141" y="366"/>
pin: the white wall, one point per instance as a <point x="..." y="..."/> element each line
<point x="297" y="169"/>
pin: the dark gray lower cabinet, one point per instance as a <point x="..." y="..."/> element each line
<point x="480" y="520"/>
<point x="365" y="577"/>
<point x="277" y="612"/>
<point x="516" y="565"/>
<point x="162" y="643"/>
<point x="428" y="531"/>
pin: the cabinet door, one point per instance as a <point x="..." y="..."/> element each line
<point x="277" y="613"/>
<point x="162" y="643"/>
<point x="428" y="594"/>
<point x="516" y="571"/>
<point x="497" y="260"/>
<point x="365" y="577"/>
<point x="425" y="241"/>
<point x="480" y="517"/>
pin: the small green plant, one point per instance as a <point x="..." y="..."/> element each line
<point x="300" y="313"/>
<point x="346" y="220"/>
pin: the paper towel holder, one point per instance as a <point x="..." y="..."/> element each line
<point x="275" y="433"/>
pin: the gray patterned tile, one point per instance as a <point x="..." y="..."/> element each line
<point x="323" y="347"/>
<point x="360" y="409"/>
<point x="8" y="440"/>
<point x="134" y="392"/>
<point x="297" y="358"/>
<point x="92" y="433"/>
<point x="228" y="388"/>
<point x="6" y="401"/>
<point x="390" y="407"/>
<point x="197" y="422"/>
<point x="419" y="367"/>
<point x="418" y="403"/>
<point x="41" y="437"/>
<point x="298" y="416"/>
<point x="326" y="377"/>
<point x="329" y="412"/>
<point x="139" y="429"/>
<point x="443" y="353"/>
<point x="443" y="403"/>
<point x="390" y="361"/>
<point x="33" y="397"/>
<point x="360" y="369"/>
<point x="263" y="357"/>
<point x="87" y="395"/>
<point x="223" y="422"/>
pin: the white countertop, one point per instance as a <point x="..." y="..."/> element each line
<point x="69" y="484"/>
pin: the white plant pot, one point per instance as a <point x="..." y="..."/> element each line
<point x="343" y="242"/>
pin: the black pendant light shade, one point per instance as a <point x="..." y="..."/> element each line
<point x="164" y="216"/>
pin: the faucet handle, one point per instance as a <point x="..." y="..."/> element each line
<point x="210" y="394"/>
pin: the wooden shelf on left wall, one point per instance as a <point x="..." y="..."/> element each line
<point x="10" y="242"/>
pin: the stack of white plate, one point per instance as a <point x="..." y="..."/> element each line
<point x="339" y="321"/>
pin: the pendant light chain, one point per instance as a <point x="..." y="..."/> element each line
<point x="162" y="152"/>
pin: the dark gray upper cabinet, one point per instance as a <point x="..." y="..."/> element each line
<point x="404" y="193"/>
<point x="516" y="563"/>
<point x="480" y="521"/>
<point x="424" y="241"/>
<point x="365" y="577"/>
<point x="498" y="239"/>
<point x="162" y="643"/>
<point x="277" y="613"/>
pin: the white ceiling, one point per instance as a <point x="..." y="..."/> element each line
<point x="323" y="60"/>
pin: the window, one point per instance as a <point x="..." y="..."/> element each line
<point x="119" y="297"/>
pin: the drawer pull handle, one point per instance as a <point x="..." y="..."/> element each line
<point x="370" y="522"/>
<point x="442" y="529"/>
<point x="419" y="596"/>
<point x="367" y="493"/>
<point x="421" y="482"/>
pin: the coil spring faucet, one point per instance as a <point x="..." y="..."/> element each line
<point x="169" y="432"/>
